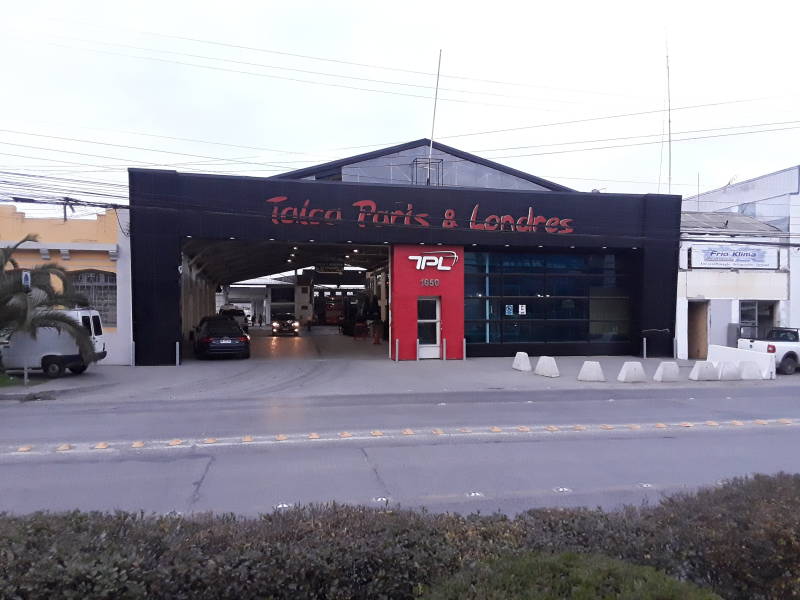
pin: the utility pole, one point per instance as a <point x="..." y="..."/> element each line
<point x="669" y="131"/>
<point x="433" y="122"/>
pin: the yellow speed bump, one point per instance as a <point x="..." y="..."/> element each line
<point x="376" y="433"/>
<point x="495" y="429"/>
<point x="551" y="428"/>
<point x="175" y="442"/>
<point x="607" y="427"/>
<point x="137" y="445"/>
<point x="24" y="448"/>
<point x="247" y="439"/>
<point x="313" y="436"/>
<point x="465" y="430"/>
<point x="785" y="421"/>
<point x="660" y="425"/>
<point x="579" y="427"/>
<point x="408" y="432"/>
<point x="737" y="423"/>
<point x="712" y="423"/>
<point x="101" y="446"/>
<point x="523" y="428"/>
<point x="634" y="426"/>
<point x="687" y="424"/>
<point x="281" y="438"/>
<point x="761" y="422"/>
<point x="345" y="434"/>
<point x="210" y="441"/>
<point x="64" y="448"/>
<point x="438" y="431"/>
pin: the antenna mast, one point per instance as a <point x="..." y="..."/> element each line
<point x="669" y="131"/>
<point x="433" y="122"/>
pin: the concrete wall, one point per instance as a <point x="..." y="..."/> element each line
<point x="398" y="168"/>
<point x="120" y="340"/>
<point x="197" y="298"/>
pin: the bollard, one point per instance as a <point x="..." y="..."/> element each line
<point x="25" y="375"/>
<point x="444" y="348"/>
<point x="417" y="348"/>
<point x="464" y="350"/>
<point x="177" y="354"/>
<point x="644" y="347"/>
<point x="397" y="350"/>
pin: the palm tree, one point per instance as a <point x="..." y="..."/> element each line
<point x="28" y="309"/>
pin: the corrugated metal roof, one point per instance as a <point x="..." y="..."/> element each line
<point x="723" y="222"/>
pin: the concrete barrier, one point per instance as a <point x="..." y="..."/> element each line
<point x="750" y="370"/>
<point x="765" y="362"/>
<point x="704" y="370"/>
<point x="591" y="371"/>
<point x="667" y="371"/>
<point x="521" y="362"/>
<point x="632" y="372"/>
<point x="729" y="371"/>
<point x="546" y="367"/>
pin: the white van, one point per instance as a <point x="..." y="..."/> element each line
<point x="51" y="351"/>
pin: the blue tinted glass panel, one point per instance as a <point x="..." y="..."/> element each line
<point x="523" y="285"/>
<point x="567" y="286"/>
<point x="568" y="308"/>
<point x="523" y="331"/>
<point x="566" y="263"/>
<point x="609" y="331"/>
<point x="568" y="331"/>
<point x="482" y="332"/>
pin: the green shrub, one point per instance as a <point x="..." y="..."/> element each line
<point x="742" y="540"/>
<point x="560" y="576"/>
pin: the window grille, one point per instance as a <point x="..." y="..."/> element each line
<point x="100" y="289"/>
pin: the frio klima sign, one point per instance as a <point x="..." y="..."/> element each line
<point x="733" y="256"/>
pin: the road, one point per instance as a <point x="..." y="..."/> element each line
<point x="448" y="451"/>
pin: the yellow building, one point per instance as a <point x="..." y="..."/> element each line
<point x="89" y="249"/>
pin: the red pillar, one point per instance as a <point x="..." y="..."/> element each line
<point x="427" y="271"/>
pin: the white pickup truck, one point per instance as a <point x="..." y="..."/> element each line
<point x="783" y="342"/>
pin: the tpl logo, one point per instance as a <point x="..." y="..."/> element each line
<point x="443" y="260"/>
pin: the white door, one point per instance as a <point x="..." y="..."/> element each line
<point x="429" y="327"/>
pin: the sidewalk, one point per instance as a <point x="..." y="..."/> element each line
<point x="331" y="377"/>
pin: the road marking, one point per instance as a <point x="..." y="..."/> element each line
<point x="660" y="426"/>
<point x="381" y="499"/>
<point x="465" y="430"/>
<point x="137" y="445"/>
<point x="645" y="485"/>
<point x="785" y="421"/>
<point x="562" y="490"/>
<point x="687" y="424"/>
<point x="579" y="427"/>
<point x="345" y="434"/>
<point x="175" y="442"/>
<point x="607" y="427"/>
<point x="101" y="446"/>
<point x="24" y="448"/>
<point x="408" y="432"/>
<point x="438" y="431"/>
<point x="281" y="438"/>
<point x="760" y="422"/>
<point x="495" y="429"/>
<point x="210" y="441"/>
<point x="64" y="448"/>
<point x="551" y="428"/>
<point x="737" y="423"/>
<point x="634" y="426"/>
<point x="247" y="439"/>
<point x="376" y="433"/>
<point x="712" y="423"/>
<point x="475" y="494"/>
<point x="313" y="436"/>
<point x="283" y="506"/>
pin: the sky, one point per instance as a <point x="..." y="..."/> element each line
<point x="260" y="87"/>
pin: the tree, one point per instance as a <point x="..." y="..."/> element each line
<point x="28" y="309"/>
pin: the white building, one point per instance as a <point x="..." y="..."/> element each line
<point x="739" y="264"/>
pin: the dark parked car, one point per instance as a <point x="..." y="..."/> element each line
<point x="285" y="324"/>
<point x="220" y="336"/>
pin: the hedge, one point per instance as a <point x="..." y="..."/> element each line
<point x="557" y="576"/>
<point x="741" y="540"/>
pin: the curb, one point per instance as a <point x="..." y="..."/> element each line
<point x="34" y="395"/>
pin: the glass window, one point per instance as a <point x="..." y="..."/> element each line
<point x="87" y="324"/>
<point x="523" y="285"/>
<point x="523" y="331"/>
<point x="98" y="328"/>
<point x="475" y="285"/>
<point x="475" y="262"/>
<point x="566" y="263"/>
<point x="529" y="308"/>
<point x="609" y="331"/>
<point x="747" y="312"/>
<point x="100" y="289"/>
<point x="426" y="332"/>
<point x="426" y="309"/>
<point x="482" y="332"/>
<point x="475" y="309"/>
<point x="567" y="286"/>
<point x="609" y="309"/>
<point x="565" y="331"/>
<point x="568" y="308"/>
<point x="520" y="263"/>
